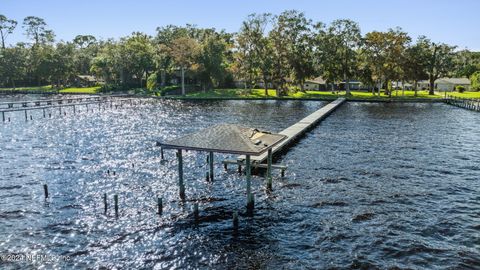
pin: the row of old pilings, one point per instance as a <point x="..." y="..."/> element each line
<point x="466" y="103"/>
<point x="63" y="112"/>
<point x="159" y="202"/>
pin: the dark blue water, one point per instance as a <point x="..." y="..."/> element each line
<point x="373" y="186"/>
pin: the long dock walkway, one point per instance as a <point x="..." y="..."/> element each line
<point x="293" y="133"/>
<point x="466" y="103"/>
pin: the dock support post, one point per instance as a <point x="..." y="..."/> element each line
<point x="3" y="116"/>
<point x="161" y="153"/>
<point x="180" y="174"/>
<point x="45" y="190"/>
<point x="26" y="118"/>
<point x="115" y="198"/>
<point x="195" y="212"/>
<point x="43" y="113"/>
<point x="74" y="111"/>
<point x="249" y="183"/>
<point x="105" y="203"/>
<point x="160" y="206"/>
<point x="235" y="220"/>
<point x="269" y="169"/>
<point x="210" y="163"/>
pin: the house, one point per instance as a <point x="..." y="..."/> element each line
<point x="449" y="84"/>
<point x="86" y="80"/>
<point x="354" y="85"/>
<point x="446" y="84"/>
<point x="317" y="84"/>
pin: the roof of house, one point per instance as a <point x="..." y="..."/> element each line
<point x="317" y="80"/>
<point x="453" y="80"/>
<point x="464" y="81"/>
<point x="89" y="78"/>
<point x="227" y="138"/>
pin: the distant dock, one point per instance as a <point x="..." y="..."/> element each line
<point x="293" y="133"/>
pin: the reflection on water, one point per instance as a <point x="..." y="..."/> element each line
<point x="374" y="185"/>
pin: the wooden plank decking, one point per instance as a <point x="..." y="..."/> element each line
<point x="298" y="129"/>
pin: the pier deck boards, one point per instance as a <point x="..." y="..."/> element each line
<point x="298" y="129"/>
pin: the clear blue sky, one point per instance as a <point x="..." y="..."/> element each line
<point x="455" y="22"/>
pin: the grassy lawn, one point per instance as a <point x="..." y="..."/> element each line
<point x="73" y="90"/>
<point x="465" y="94"/>
<point x="82" y="90"/>
<point x="260" y="93"/>
<point x="31" y="88"/>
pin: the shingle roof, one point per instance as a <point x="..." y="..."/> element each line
<point x="227" y="138"/>
<point x="317" y="80"/>
<point x="454" y="80"/>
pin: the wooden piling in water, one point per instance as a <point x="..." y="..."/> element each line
<point x="181" y="185"/>
<point x="210" y="159"/>
<point x="26" y="119"/>
<point x="159" y="206"/>
<point x="269" y="169"/>
<point x="45" y="191"/>
<point x="195" y="211"/>
<point x="235" y="220"/>
<point x="115" y="199"/>
<point x="249" y="182"/>
<point x="3" y="116"/>
<point x="105" y="204"/>
<point x="251" y="204"/>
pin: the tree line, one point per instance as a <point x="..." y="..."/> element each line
<point x="278" y="51"/>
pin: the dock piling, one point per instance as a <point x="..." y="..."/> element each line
<point x="160" y="205"/>
<point x="45" y="190"/>
<point x="235" y="220"/>
<point x="180" y="174"/>
<point x="105" y="204"/>
<point x="251" y="204"/>
<point x="115" y="199"/>
<point x="195" y="211"/>
<point x="249" y="181"/>
<point x="269" y="169"/>
<point x="210" y="159"/>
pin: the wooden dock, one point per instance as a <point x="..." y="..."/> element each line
<point x="466" y="103"/>
<point x="293" y="133"/>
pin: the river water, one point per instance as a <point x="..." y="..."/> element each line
<point x="375" y="185"/>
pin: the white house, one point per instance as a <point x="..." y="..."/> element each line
<point x="449" y="84"/>
<point x="315" y="84"/>
<point x="446" y="84"/>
